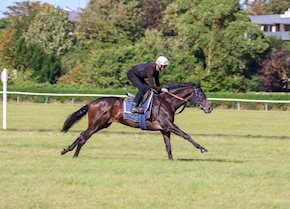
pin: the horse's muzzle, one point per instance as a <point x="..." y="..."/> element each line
<point x="205" y="105"/>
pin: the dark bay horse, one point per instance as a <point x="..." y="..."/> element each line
<point x="102" y="112"/>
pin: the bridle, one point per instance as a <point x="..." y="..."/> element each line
<point x="197" y="103"/>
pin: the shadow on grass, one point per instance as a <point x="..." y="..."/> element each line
<point x="211" y="160"/>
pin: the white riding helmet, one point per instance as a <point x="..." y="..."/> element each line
<point x="161" y="60"/>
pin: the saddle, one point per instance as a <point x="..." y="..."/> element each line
<point x="139" y="118"/>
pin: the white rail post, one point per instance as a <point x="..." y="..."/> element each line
<point x="238" y="106"/>
<point x="266" y="106"/>
<point x="4" y="79"/>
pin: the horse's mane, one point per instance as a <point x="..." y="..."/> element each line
<point x="175" y="85"/>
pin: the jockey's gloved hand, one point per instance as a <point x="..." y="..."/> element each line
<point x="165" y="90"/>
<point x="154" y="90"/>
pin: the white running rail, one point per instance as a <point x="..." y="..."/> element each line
<point x="266" y="102"/>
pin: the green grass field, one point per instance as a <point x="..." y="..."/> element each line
<point x="247" y="166"/>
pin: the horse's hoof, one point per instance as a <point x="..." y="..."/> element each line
<point x="203" y="150"/>
<point x="63" y="152"/>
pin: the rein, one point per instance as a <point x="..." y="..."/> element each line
<point x="177" y="97"/>
<point x="180" y="98"/>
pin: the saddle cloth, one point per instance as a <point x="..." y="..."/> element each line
<point x="139" y="118"/>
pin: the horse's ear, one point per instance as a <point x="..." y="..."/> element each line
<point x="198" y="85"/>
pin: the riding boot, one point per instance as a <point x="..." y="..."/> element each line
<point x="136" y="109"/>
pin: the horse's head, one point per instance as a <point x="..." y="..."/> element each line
<point x="190" y="92"/>
<point x="199" y="99"/>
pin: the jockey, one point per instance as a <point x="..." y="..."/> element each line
<point x="137" y="76"/>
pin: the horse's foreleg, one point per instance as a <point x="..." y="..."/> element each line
<point x="174" y="129"/>
<point x="166" y="136"/>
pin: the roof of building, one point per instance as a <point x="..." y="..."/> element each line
<point x="273" y="20"/>
<point x="270" y="19"/>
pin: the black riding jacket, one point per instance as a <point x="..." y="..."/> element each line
<point x="149" y="71"/>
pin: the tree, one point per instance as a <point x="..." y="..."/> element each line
<point x="42" y="67"/>
<point x="74" y="75"/>
<point x="207" y="40"/>
<point x="21" y="14"/>
<point x="267" y="7"/>
<point x="276" y="6"/>
<point x="6" y="37"/>
<point x="51" y="31"/>
<point x="22" y="46"/>
<point x="4" y="23"/>
<point x="275" y="73"/>
<point x="25" y="9"/>
<point x="256" y="8"/>
<point x="110" y="21"/>
<point x="151" y="14"/>
<point x="42" y="34"/>
<point x="213" y="41"/>
<point x="107" y="66"/>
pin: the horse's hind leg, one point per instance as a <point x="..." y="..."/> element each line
<point x="84" y="136"/>
<point x="71" y="147"/>
<point x="79" y="142"/>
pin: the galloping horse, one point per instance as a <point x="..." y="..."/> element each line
<point x="102" y="112"/>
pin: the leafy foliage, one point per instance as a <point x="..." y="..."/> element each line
<point x="152" y="14"/>
<point x="6" y="37"/>
<point x="275" y="73"/>
<point x="41" y="33"/>
<point x="256" y="8"/>
<point x="4" y="23"/>
<point x="110" y="21"/>
<point x="262" y="7"/>
<point x="44" y="67"/>
<point x="276" y="6"/>
<point x="21" y="14"/>
<point x="217" y="40"/>
<point x="51" y="31"/>
<point x="207" y="40"/>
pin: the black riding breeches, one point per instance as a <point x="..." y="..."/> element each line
<point x="141" y="84"/>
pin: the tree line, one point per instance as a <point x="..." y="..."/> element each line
<point x="212" y="41"/>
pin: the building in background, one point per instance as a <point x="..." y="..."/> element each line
<point x="274" y="25"/>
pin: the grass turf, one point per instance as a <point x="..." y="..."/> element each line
<point x="247" y="165"/>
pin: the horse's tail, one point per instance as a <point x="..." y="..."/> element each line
<point x="75" y="117"/>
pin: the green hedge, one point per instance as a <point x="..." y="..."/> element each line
<point x="253" y="96"/>
<point x="250" y="95"/>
